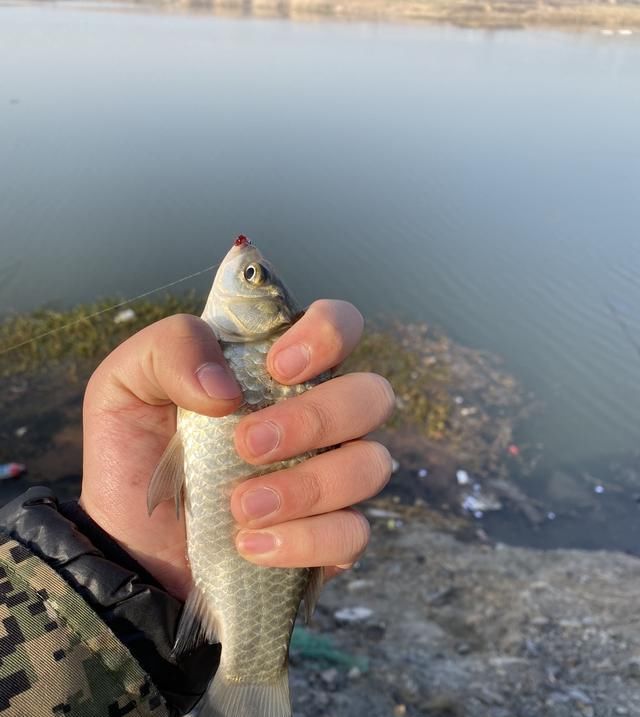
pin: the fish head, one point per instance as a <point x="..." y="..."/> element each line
<point x="248" y="301"/>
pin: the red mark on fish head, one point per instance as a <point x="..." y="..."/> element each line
<point x="242" y="241"/>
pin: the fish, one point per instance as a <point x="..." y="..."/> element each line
<point x="248" y="608"/>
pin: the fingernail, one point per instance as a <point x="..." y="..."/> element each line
<point x="292" y="361"/>
<point x="262" y="438"/>
<point x="256" y="543"/>
<point x="217" y="381"/>
<point x="259" y="502"/>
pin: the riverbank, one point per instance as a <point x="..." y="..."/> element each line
<point x="452" y="435"/>
<point x="438" y="619"/>
<point x="622" y="15"/>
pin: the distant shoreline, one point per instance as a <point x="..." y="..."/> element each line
<point x="615" y="15"/>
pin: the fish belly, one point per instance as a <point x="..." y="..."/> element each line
<point x="252" y="608"/>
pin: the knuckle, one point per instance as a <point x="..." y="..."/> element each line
<point x="311" y="488"/>
<point x="317" y="422"/>
<point x="310" y="544"/>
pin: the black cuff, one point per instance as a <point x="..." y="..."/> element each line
<point x="142" y="615"/>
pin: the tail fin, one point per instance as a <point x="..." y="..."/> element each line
<point x="225" y="698"/>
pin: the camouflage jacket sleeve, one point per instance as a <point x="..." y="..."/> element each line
<point x="84" y="630"/>
<point x="57" y="656"/>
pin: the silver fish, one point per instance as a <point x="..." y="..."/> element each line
<point x="249" y="609"/>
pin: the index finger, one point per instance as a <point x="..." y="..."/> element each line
<point x="326" y="334"/>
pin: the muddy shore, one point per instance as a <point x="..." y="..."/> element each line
<point x="462" y="629"/>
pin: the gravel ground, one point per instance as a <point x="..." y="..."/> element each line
<point x="466" y="629"/>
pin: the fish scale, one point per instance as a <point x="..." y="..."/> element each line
<point x="255" y="637"/>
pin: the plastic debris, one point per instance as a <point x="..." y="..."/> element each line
<point x="462" y="477"/>
<point x="551" y="515"/>
<point x="479" y="504"/>
<point x="20" y="432"/>
<point x="319" y="648"/>
<point x="423" y="473"/>
<point x="599" y="489"/>
<point x="459" y="400"/>
<point x="353" y="614"/>
<point x="12" y="470"/>
<point x="381" y="513"/>
<point x="478" y="514"/>
<point x="122" y="317"/>
<point x="513" y="450"/>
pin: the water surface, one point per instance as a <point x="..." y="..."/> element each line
<point x="487" y="182"/>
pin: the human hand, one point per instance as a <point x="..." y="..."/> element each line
<point x="129" y="417"/>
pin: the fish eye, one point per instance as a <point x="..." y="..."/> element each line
<point x="256" y="274"/>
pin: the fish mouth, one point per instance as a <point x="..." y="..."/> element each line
<point x="240" y="244"/>
<point x="243" y="245"/>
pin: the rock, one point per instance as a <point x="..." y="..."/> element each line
<point x="633" y="667"/>
<point x="358" y="585"/>
<point x="477" y="631"/>
<point x="350" y="615"/>
<point x="329" y="677"/>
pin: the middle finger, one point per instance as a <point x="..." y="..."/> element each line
<point x="318" y="485"/>
<point x="333" y="412"/>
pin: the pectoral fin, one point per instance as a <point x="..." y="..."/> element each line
<point x="312" y="592"/>
<point x="168" y="478"/>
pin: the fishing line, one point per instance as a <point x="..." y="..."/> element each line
<point x="120" y="304"/>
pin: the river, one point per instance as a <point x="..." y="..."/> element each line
<point x="487" y="182"/>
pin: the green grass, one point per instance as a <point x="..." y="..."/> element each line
<point x="84" y="335"/>
<point x="29" y="342"/>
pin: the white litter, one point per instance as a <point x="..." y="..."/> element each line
<point x="353" y="614"/>
<point x="122" y="317"/>
<point x="462" y="477"/>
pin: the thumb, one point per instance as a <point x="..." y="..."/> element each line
<point x="176" y="360"/>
